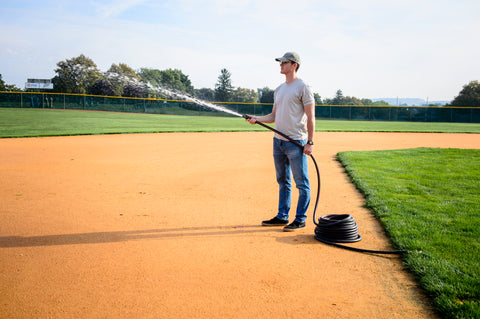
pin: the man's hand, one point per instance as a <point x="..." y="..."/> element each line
<point x="308" y="149"/>
<point x="251" y="119"/>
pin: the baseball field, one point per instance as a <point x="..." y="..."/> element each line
<point x="168" y="226"/>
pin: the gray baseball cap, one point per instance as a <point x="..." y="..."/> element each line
<point x="289" y="56"/>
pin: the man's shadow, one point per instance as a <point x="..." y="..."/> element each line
<point x="121" y="236"/>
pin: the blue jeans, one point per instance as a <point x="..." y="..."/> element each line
<point x="289" y="158"/>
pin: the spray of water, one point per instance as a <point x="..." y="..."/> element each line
<point x="125" y="79"/>
<point x="192" y="99"/>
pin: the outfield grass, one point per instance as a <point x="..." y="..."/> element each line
<point x="427" y="200"/>
<point x="38" y="122"/>
<point x="16" y="122"/>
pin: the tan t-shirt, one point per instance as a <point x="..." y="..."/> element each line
<point x="290" y="117"/>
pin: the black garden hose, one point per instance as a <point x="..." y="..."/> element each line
<point x="337" y="228"/>
<point x="332" y="229"/>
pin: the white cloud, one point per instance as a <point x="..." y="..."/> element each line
<point x="116" y="7"/>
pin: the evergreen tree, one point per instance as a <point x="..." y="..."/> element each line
<point x="338" y="99"/>
<point x="223" y="87"/>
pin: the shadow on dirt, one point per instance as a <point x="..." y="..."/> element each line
<point x="120" y="236"/>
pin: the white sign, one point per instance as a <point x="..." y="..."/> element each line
<point x="38" y="84"/>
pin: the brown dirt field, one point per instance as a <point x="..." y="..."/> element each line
<point x="167" y="226"/>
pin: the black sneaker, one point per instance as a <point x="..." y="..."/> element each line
<point x="294" y="226"/>
<point x="275" y="221"/>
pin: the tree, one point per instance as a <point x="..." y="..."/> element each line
<point x="8" y="87"/>
<point x="12" y="88"/>
<point x="318" y="98"/>
<point x="469" y="96"/>
<point x="119" y="76"/>
<point x="338" y="99"/>
<point x="244" y="95"/>
<point x="176" y="80"/>
<point x="366" y="102"/>
<point x="351" y="100"/>
<point x="205" y="94"/>
<point x="327" y="101"/>
<point x="75" y="75"/>
<point x="266" y="95"/>
<point x="380" y="103"/>
<point x="133" y="90"/>
<point x="102" y="87"/>
<point x="169" y="79"/>
<point x="223" y="87"/>
<point x="153" y="78"/>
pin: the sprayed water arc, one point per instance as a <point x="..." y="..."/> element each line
<point x="195" y="100"/>
<point x="126" y="79"/>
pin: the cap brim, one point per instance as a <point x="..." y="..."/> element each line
<point x="282" y="59"/>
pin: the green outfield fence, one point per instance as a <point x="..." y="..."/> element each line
<point x="177" y="107"/>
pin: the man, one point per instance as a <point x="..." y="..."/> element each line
<point x="293" y="113"/>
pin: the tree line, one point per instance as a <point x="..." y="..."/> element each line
<point x="81" y="75"/>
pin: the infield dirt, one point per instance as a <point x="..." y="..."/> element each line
<point x="168" y="226"/>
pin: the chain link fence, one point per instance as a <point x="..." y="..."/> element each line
<point x="177" y="107"/>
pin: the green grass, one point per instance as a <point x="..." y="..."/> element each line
<point x="16" y="122"/>
<point x="37" y="122"/>
<point x="427" y="200"/>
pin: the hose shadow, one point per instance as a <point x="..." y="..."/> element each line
<point x="122" y="236"/>
<point x="307" y="239"/>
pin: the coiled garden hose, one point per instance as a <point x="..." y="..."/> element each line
<point x="332" y="229"/>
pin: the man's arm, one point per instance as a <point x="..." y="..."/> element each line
<point x="269" y="118"/>
<point x="310" y="112"/>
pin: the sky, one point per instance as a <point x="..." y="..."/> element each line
<point x="425" y="49"/>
